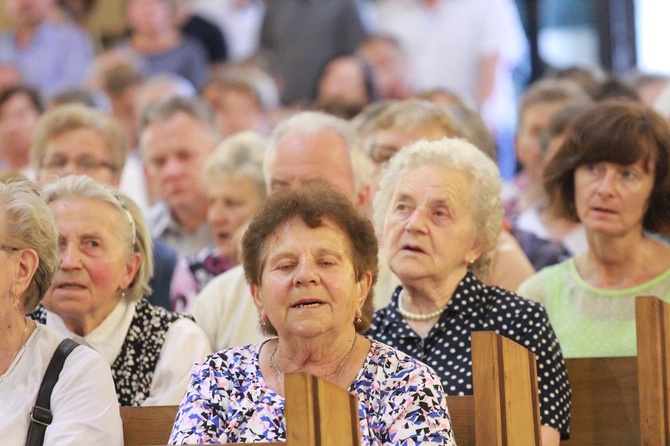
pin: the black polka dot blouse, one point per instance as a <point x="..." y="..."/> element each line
<point x="476" y="307"/>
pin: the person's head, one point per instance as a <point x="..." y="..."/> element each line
<point x="313" y="145"/>
<point x="614" y="87"/>
<point x="150" y="17"/>
<point x="20" y="108"/>
<point x="76" y="139"/>
<point x="105" y="249"/>
<point x="389" y="65"/>
<point x="345" y="87"/>
<point x="243" y="99"/>
<point x="438" y="210"/>
<point x="621" y="135"/>
<point x="177" y="135"/>
<point x="235" y="186"/>
<point x="648" y="85"/>
<point x="473" y="128"/>
<point x="310" y="248"/>
<point x="553" y="134"/>
<point x="542" y="99"/>
<point x="161" y="86"/>
<point x="10" y="75"/>
<point x="28" y="14"/>
<point x="28" y="244"/>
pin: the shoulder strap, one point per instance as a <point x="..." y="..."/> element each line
<point x="41" y="416"/>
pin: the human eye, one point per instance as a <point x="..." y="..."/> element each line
<point x="158" y="161"/>
<point x="55" y="162"/>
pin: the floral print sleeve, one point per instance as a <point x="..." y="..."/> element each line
<point x="400" y="402"/>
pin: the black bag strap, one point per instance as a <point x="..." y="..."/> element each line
<point x="41" y="416"/>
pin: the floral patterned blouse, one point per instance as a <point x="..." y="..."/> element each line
<point x="400" y="401"/>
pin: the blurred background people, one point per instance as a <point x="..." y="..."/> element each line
<point x="345" y="87"/>
<point x="20" y="108"/>
<point x="50" y="55"/>
<point x="177" y="136"/>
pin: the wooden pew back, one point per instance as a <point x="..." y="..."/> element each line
<point x="503" y="412"/>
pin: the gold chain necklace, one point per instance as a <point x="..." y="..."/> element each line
<point x="22" y="341"/>
<point x="337" y="374"/>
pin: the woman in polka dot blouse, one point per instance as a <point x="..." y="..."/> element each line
<point x="438" y="214"/>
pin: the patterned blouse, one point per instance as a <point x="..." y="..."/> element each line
<point x="400" y="401"/>
<point x="477" y="307"/>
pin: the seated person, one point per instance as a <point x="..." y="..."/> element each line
<point x="97" y="297"/>
<point x="438" y="214"/>
<point x="311" y="261"/>
<point x="235" y="186"/>
<point x="83" y="401"/>
<point x="611" y="174"/>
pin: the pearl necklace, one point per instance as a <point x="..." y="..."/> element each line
<point x="416" y="316"/>
<point x="337" y="374"/>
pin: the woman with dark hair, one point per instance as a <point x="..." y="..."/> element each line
<point x="311" y="261"/>
<point x="612" y="175"/>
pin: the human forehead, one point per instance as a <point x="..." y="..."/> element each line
<point x="319" y="150"/>
<point x="81" y="140"/>
<point x="433" y="184"/>
<point x="232" y="186"/>
<point x="400" y="135"/>
<point x="19" y="101"/>
<point x="78" y="215"/>
<point x="179" y="131"/>
<point x="295" y="236"/>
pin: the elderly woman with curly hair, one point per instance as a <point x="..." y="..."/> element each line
<point x="438" y="213"/>
<point x="311" y="261"/>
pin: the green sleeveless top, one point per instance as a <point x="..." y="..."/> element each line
<point x="590" y="322"/>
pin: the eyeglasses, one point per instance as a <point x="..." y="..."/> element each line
<point x="381" y="153"/>
<point x="84" y="163"/>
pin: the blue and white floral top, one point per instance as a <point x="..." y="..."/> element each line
<point x="400" y="401"/>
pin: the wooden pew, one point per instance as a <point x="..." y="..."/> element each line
<point x="626" y="400"/>
<point x="653" y="355"/>
<point x="503" y="412"/>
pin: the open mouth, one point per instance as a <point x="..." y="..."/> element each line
<point x="308" y="304"/>
<point x="70" y="286"/>
<point x="413" y="248"/>
<point x="603" y="210"/>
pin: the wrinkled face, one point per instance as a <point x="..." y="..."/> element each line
<point x="18" y="117"/>
<point x="232" y="201"/>
<point x="612" y="199"/>
<point x="308" y="284"/>
<point x="77" y="151"/>
<point x="429" y="227"/>
<point x="95" y="264"/>
<point x="175" y="151"/>
<point x="528" y="150"/>
<point x="300" y="158"/>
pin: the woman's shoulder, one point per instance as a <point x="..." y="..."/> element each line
<point x="549" y="278"/>
<point x="234" y="360"/>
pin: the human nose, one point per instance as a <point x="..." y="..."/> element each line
<point x="69" y="257"/>
<point x="173" y="167"/>
<point x="306" y="274"/>
<point x="416" y="222"/>
<point x="608" y="182"/>
<point x="217" y="214"/>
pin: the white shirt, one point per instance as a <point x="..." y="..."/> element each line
<point x="226" y="312"/>
<point x="83" y="402"/>
<point x="445" y="45"/>
<point x="185" y="344"/>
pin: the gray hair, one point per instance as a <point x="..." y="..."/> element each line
<point x="410" y="112"/>
<point x="27" y="223"/>
<point x="240" y="155"/>
<point x="462" y="156"/>
<point x="77" y="116"/>
<point x="136" y="232"/>
<point x="309" y="122"/>
<point x="165" y="108"/>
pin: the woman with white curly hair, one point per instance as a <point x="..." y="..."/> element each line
<point x="438" y="212"/>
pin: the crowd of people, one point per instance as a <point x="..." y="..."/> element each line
<point x="234" y="190"/>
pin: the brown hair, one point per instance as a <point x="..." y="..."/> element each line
<point x="312" y="203"/>
<point x="621" y="132"/>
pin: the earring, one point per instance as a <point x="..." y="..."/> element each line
<point x="357" y="321"/>
<point x="263" y="324"/>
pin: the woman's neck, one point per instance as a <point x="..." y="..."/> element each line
<point x="430" y="294"/>
<point x="622" y="262"/>
<point x="337" y="360"/>
<point x="15" y="330"/>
